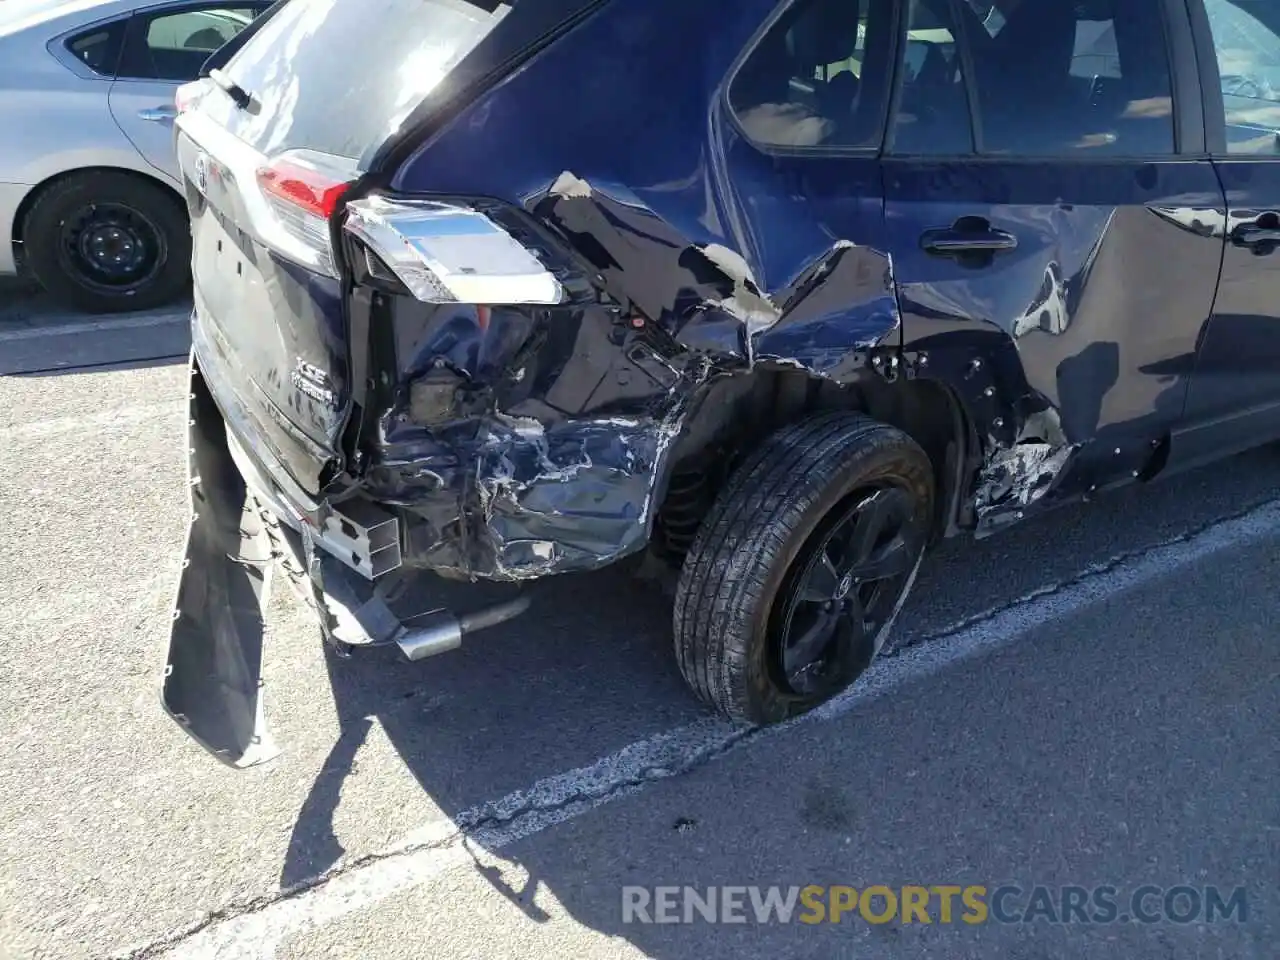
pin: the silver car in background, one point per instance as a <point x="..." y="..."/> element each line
<point x="90" y="202"/>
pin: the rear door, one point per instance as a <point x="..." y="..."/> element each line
<point x="163" y="49"/>
<point x="1235" y="393"/>
<point x="799" y="149"/>
<point x="1066" y="231"/>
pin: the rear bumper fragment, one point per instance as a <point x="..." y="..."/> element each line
<point x="212" y="684"/>
<point x="213" y="674"/>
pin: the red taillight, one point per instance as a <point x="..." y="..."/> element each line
<point x="309" y="189"/>
<point x="302" y="190"/>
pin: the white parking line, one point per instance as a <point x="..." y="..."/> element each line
<point x="257" y="931"/>
<point x="52" y="326"/>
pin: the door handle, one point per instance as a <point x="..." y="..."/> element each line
<point x="158" y="114"/>
<point x="966" y="237"/>
<point x="1251" y="236"/>
<point x="1262" y="233"/>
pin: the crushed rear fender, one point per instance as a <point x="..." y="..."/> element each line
<point x="531" y="441"/>
<point x="827" y="319"/>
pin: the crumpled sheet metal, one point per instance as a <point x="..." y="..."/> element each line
<point x="574" y="496"/>
<point x="516" y="497"/>
<point x="1015" y="477"/>
<point x="827" y="318"/>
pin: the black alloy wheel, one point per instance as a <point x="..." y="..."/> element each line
<point x="799" y="569"/>
<point x="838" y="600"/>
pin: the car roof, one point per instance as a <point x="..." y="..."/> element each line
<point x="17" y="16"/>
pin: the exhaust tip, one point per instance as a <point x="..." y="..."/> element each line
<point x="441" y="633"/>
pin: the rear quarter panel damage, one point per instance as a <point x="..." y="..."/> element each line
<point x="1073" y="354"/>
<point x="528" y="442"/>
<point x="547" y="446"/>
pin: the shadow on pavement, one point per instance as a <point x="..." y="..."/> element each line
<point x="545" y="686"/>
<point x="1124" y="746"/>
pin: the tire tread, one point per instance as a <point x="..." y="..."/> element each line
<point x="52" y="204"/>
<point x="761" y="511"/>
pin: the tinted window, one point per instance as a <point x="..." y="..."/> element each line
<point x="818" y="77"/>
<point x="339" y="76"/>
<point x="933" y="108"/>
<point x="99" y="48"/>
<point x="1095" y="53"/>
<point x="1072" y="77"/>
<point x="174" y="46"/>
<point x="989" y="14"/>
<point x="1246" y="38"/>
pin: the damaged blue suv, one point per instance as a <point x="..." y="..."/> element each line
<point x="773" y="295"/>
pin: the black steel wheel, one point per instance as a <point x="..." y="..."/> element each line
<point x="111" y="247"/>
<point x="798" y="572"/>
<point x="107" y="241"/>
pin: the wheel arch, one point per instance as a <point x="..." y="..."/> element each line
<point x="735" y="413"/>
<point x="18" y="237"/>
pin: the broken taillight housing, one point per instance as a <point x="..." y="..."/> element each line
<point x="303" y="189"/>
<point x="445" y="253"/>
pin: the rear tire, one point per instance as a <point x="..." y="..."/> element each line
<point x="108" y="242"/>
<point x="764" y="581"/>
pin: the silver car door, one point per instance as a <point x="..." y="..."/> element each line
<point x="164" y="49"/>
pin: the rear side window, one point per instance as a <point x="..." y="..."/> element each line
<point x="1246" y="40"/>
<point x="339" y="76"/>
<point x="818" y="77"/>
<point x="933" y="108"/>
<point x="1072" y="78"/>
<point x="99" y="48"/>
<point x="174" y="45"/>
<point x="1095" y="53"/>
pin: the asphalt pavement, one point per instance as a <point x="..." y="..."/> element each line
<point x="1088" y="701"/>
